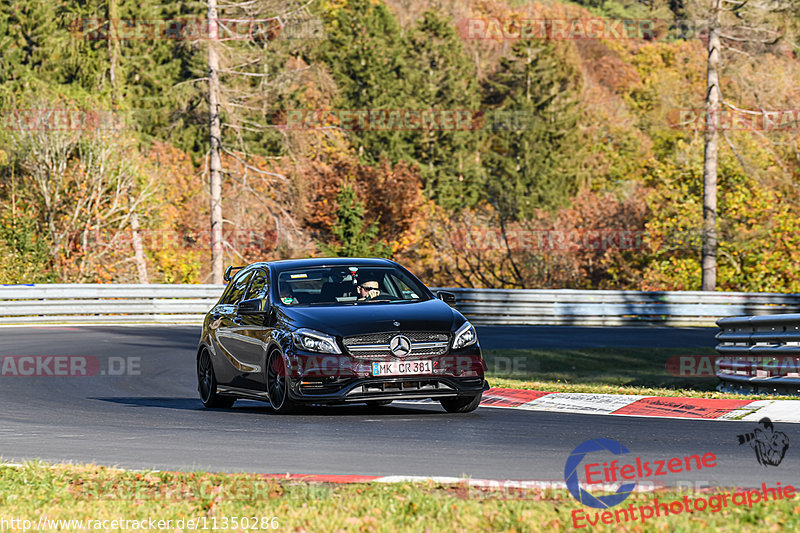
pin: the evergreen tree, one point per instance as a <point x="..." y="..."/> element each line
<point x="444" y="81"/>
<point x="366" y="54"/>
<point x="529" y="158"/>
<point x="355" y="238"/>
<point x="68" y="52"/>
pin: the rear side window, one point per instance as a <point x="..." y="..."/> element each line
<point x="259" y="287"/>
<point x="236" y="289"/>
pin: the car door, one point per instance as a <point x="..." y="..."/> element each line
<point x="227" y="366"/>
<point x="252" y="333"/>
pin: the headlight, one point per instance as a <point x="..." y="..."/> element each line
<point x="465" y="336"/>
<point x="315" y="341"/>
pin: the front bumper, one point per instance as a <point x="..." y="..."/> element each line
<point x="369" y="389"/>
<point x="345" y="378"/>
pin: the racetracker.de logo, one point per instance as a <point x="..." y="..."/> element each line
<point x="696" y="119"/>
<point x="574" y="29"/>
<point x="298" y="26"/>
<point x="705" y="366"/>
<point x="61" y="120"/>
<point x="72" y="366"/>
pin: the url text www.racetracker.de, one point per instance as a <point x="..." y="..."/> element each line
<point x="639" y="469"/>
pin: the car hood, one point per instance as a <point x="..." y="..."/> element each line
<point x="347" y="320"/>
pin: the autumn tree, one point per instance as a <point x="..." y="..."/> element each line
<point x="743" y="27"/>
<point x="84" y="187"/>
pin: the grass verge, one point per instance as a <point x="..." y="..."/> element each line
<point x="602" y="370"/>
<point x="88" y="492"/>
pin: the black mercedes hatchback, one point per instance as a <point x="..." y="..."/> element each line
<point x="328" y="331"/>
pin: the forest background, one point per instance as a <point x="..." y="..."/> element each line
<point x="579" y="165"/>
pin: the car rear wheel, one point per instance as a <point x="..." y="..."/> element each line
<point x="278" y="385"/>
<point x="461" y="404"/>
<point x="207" y="384"/>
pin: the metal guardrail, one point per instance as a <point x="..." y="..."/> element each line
<point x="107" y="303"/>
<point x="615" y="308"/>
<point x="764" y="354"/>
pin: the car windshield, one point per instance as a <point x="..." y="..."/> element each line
<point x="347" y="285"/>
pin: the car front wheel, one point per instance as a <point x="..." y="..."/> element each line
<point x="207" y="384"/>
<point x="461" y="404"/>
<point x="278" y="385"/>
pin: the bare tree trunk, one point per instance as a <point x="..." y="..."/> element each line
<point x="138" y="248"/>
<point x="215" y="163"/>
<point x="113" y="49"/>
<point x="113" y="58"/>
<point x="709" y="253"/>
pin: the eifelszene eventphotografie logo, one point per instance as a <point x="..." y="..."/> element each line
<point x="769" y="445"/>
<point x="613" y="472"/>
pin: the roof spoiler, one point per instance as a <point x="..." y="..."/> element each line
<point x="229" y="272"/>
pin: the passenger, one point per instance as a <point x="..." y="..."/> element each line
<point x="368" y="290"/>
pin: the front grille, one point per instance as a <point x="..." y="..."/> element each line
<point x="376" y="345"/>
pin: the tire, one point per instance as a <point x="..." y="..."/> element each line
<point x="207" y="384"/>
<point x="378" y="403"/>
<point x="278" y="385"/>
<point x="461" y="404"/>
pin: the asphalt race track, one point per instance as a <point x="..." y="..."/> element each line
<point x="153" y="418"/>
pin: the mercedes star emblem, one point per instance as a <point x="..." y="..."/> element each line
<point x="400" y="345"/>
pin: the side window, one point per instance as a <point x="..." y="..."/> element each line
<point x="259" y="287"/>
<point x="405" y="291"/>
<point x="236" y="291"/>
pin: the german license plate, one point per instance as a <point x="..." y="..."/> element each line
<point x="401" y="368"/>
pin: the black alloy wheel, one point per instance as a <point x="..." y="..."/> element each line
<point x="278" y="384"/>
<point x="207" y="384"/>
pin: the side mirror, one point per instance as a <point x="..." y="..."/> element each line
<point x="251" y="307"/>
<point x="447" y="297"/>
